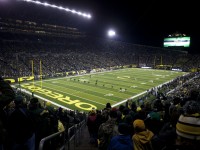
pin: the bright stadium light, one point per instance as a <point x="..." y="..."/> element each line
<point x="59" y="7"/>
<point x="111" y="33"/>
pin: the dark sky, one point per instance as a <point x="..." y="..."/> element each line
<point x="144" y="22"/>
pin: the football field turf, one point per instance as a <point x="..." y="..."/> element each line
<point x="83" y="92"/>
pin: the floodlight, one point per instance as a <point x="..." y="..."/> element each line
<point x="59" y="7"/>
<point x="67" y="9"/>
<point x="79" y="13"/>
<point x="54" y="6"/>
<point x="46" y="4"/>
<point x="73" y="11"/>
<point x="111" y="33"/>
<point x="37" y="2"/>
<point x="89" y="16"/>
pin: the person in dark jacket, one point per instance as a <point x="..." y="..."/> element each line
<point x="122" y="141"/>
<point x="7" y="95"/>
<point x="107" y="130"/>
<point x="92" y="128"/>
<point x="21" y="131"/>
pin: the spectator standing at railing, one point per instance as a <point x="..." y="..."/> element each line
<point x="44" y="126"/>
<point x="40" y="119"/>
<point x="21" y="131"/>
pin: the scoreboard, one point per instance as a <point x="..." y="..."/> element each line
<point x="177" y="41"/>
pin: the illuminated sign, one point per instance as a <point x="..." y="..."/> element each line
<point x="177" y="41"/>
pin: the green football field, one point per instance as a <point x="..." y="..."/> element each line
<point x="83" y="92"/>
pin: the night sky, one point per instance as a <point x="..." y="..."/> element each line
<point x="144" y="22"/>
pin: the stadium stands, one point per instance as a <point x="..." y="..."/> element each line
<point x="72" y="50"/>
<point x="63" y="50"/>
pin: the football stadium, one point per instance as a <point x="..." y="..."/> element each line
<point x="63" y="88"/>
<point x="94" y="90"/>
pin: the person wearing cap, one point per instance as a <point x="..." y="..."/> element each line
<point x="142" y="136"/>
<point x="154" y="121"/>
<point x="188" y="127"/>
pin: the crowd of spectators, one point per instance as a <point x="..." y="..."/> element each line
<point x="62" y="49"/>
<point x="18" y="55"/>
<point x="168" y="122"/>
<point x="25" y="121"/>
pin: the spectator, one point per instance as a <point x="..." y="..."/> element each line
<point x="40" y="118"/>
<point x="154" y="122"/>
<point x="105" y="112"/>
<point x="166" y="138"/>
<point x="21" y="130"/>
<point x="122" y="141"/>
<point x="7" y="95"/>
<point x="92" y="128"/>
<point x="142" y="136"/>
<point x="107" y="130"/>
<point x="188" y="127"/>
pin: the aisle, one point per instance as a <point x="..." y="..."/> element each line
<point x="84" y="142"/>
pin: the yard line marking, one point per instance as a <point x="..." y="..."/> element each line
<point x="83" y="92"/>
<point x="96" y="91"/>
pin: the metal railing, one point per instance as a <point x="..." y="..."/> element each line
<point x="51" y="137"/>
<point x="75" y="140"/>
<point x="68" y="140"/>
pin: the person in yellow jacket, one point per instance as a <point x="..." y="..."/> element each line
<point x="142" y="136"/>
<point x="60" y="126"/>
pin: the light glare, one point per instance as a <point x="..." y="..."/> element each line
<point x="60" y="7"/>
<point x="111" y="33"/>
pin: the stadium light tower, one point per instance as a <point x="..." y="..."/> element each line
<point x="60" y="7"/>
